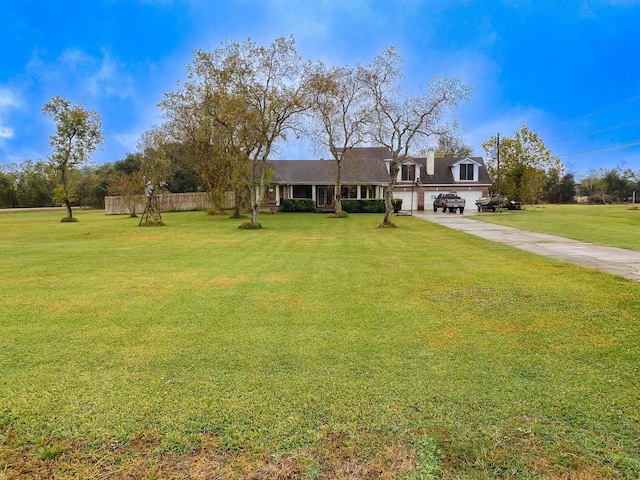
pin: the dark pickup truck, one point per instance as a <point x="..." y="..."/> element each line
<point x="449" y="201"/>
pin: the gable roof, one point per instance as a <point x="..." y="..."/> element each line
<point x="359" y="166"/>
<point x="466" y="160"/>
<point x="443" y="173"/>
<point x="366" y="166"/>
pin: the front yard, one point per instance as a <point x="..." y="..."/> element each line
<point x="313" y="348"/>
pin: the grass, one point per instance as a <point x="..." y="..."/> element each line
<point x="312" y="348"/>
<point x="612" y="225"/>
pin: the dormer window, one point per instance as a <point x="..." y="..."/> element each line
<point x="408" y="173"/>
<point x="467" y="171"/>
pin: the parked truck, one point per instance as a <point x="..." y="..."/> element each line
<point x="449" y="201"/>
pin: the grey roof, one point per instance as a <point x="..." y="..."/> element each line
<point x="359" y="166"/>
<point x="366" y="165"/>
<point x="442" y="174"/>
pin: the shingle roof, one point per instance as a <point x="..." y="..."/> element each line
<point x="443" y="175"/>
<point x="366" y="165"/>
<point x="359" y="166"/>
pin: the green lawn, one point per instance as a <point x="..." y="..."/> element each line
<point x="613" y="225"/>
<point x="313" y="348"/>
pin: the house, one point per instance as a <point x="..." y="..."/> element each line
<point x="365" y="175"/>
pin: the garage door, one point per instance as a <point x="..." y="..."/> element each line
<point x="406" y="199"/>
<point x="469" y="195"/>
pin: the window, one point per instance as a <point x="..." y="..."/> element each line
<point x="408" y="173"/>
<point x="302" y="191"/>
<point x="466" y="171"/>
<point x="349" y="191"/>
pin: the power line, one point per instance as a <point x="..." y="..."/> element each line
<point x="607" y="149"/>
<point x="596" y="131"/>
<point x="582" y="117"/>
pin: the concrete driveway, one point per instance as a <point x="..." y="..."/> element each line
<point x="617" y="261"/>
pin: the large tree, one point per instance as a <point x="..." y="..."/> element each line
<point x="340" y="111"/>
<point x="260" y="92"/>
<point x="451" y="145"/>
<point x="200" y="124"/>
<point x="78" y="134"/>
<point x="239" y="101"/>
<point x="403" y="123"/>
<point x="522" y="164"/>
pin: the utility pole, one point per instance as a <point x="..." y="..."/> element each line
<point x="498" y="159"/>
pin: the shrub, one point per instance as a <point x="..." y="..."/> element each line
<point x="151" y="223"/>
<point x="397" y="205"/>
<point x="351" y="206"/>
<point x="298" y="205"/>
<point x="250" y="226"/>
<point x="342" y="214"/>
<point x="363" y="206"/>
<point x="373" y="206"/>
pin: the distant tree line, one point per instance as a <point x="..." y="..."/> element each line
<point x="35" y="183"/>
<point x="610" y="186"/>
<point x="524" y="170"/>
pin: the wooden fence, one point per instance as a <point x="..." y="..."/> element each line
<point x="167" y="202"/>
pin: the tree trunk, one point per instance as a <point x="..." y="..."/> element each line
<point x="256" y="199"/>
<point x="65" y="192"/>
<point x="388" y="206"/>
<point x="67" y="204"/>
<point x="388" y="197"/>
<point x="338" y="206"/>
<point x="258" y="189"/>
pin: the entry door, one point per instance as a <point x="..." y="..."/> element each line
<point x="325" y="196"/>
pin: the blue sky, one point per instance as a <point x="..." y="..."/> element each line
<point x="569" y="70"/>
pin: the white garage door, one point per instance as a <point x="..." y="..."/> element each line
<point x="406" y="199"/>
<point x="469" y="195"/>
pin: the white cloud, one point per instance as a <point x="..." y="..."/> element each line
<point x="76" y="70"/>
<point x="8" y="101"/>
<point x="128" y="140"/>
<point x="5" y="132"/>
<point x="109" y="79"/>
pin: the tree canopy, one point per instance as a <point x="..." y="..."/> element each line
<point x="78" y="134"/>
<point x="340" y="112"/>
<point x="240" y="100"/>
<point x="521" y="165"/>
<point x="403" y="123"/>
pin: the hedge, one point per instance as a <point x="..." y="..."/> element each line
<point x="297" y="205"/>
<point x="375" y="205"/>
<point x="369" y="206"/>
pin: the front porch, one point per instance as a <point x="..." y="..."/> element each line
<point x="323" y="196"/>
